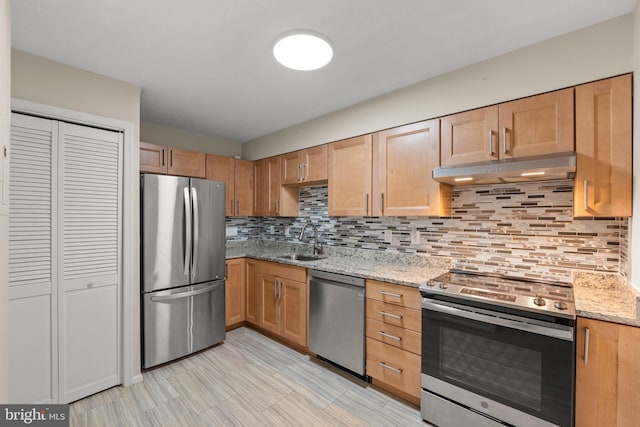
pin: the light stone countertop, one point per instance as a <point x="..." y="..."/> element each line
<point x="402" y="269"/>
<point x="606" y="296"/>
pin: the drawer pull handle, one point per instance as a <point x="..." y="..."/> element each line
<point x="395" y="316"/>
<point x="390" y="294"/>
<point x="586" y="346"/>
<point x="391" y="368"/>
<point x="390" y="336"/>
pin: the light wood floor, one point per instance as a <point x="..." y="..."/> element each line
<point x="250" y="380"/>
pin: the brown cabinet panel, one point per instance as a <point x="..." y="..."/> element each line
<point x="393" y="314"/>
<point x="243" y="187"/>
<point x="186" y="163"/>
<point x="603" y="183"/>
<point x="469" y="137"/>
<point x="235" y="291"/>
<point x="267" y="194"/>
<point x="394" y="366"/>
<point x="291" y="272"/>
<point x="541" y="124"/>
<point x="403" y="159"/>
<point x="607" y="381"/>
<point x="291" y="172"/>
<point x="269" y="311"/>
<point x="153" y="158"/>
<point x="293" y="298"/>
<point x="251" y="291"/>
<point x="350" y="169"/>
<point x="314" y="164"/>
<point x="221" y="168"/>
<point x="394" y="294"/>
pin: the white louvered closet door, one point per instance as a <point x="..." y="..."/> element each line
<point x="32" y="310"/>
<point x="90" y="194"/>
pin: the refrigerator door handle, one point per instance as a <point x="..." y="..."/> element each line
<point x="196" y="232"/>
<point x="187" y="218"/>
<point x="181" y="295"/>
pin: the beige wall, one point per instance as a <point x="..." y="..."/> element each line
<point x="44" y="81"/>
<point x="595" y="52"/>
<point x="634" y="260"/>
<point x="165" y="135"/>
<point x="5" y="113"/>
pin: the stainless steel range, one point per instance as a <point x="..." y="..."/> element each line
<point x="497" y="350"/>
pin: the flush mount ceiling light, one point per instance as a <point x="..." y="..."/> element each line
<point x="303" y="50"/>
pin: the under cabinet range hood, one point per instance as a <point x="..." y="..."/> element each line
<point x="524" y="169"/>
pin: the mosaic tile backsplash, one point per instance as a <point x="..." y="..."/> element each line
<point x="525" y="229"/>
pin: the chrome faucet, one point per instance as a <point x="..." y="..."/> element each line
<point x="317" y="247"/>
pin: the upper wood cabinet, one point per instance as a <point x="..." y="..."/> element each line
<point x="350" y="176"/>
<point x="537" y="125"/>
<point x="305" y="167"/>
<point x="238" y="178"/>
<point x="403" y="159"/>
<point x="603" y="183"/>
<point x="173" y="161"/>
<point x="267" y="194"/>
<point x="235" y="292"/>
<point x="607" y="374"/>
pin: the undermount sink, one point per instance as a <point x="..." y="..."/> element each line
<point x="296" y="257"/>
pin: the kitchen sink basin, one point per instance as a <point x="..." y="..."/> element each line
<point x="296" y="257"/>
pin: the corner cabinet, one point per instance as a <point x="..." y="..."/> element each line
<point x="603" y="183"/>
<point x="607" y="374"/>
<point x="239" y="182"/>
<point x="536" y="125"/>
<point x="282" y="301"/>
<point x="65" y="289"/>
<point x="172" y="161"/>
<point x="350" y="176"/>
<point x="403" y="158"/>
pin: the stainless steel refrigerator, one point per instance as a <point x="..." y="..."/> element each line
<point x="183" y="266"/>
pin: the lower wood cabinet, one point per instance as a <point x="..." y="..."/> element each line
<point x="250" y="295"/>
<point x="234" y="292"/>
<point x="607" y="374"/>
<point x="393" y="327"/>
<point x="281" y="298"/>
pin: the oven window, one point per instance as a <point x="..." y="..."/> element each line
<point x="496" y="367"/>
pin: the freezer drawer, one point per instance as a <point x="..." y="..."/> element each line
<point x="181" y="321"/>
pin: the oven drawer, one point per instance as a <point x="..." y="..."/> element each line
<point x="396" y="336"/>
<point x="405" y="296"/>
<point x="395" y="315"/>
<point x="393" y="366"/>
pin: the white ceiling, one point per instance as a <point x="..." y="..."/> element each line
<point x="206" y="65"/>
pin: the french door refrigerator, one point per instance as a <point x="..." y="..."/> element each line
<point x="183" y="266"/>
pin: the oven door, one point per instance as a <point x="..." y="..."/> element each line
<point x="518" y="370"/>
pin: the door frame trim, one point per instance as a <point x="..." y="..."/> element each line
<point x="130" y="372"/>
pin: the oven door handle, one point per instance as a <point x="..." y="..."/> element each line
<point x="561" y="332"/>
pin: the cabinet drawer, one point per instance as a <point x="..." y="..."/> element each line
<point x="396" y="336"/>
<point x="394" y="294"/>
<point x="394" y="366"/>
<point x="291" y="272"/>
<point x="395" y="315"/>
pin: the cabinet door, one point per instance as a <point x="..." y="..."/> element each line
<point x="268" y="312"/>
<point x="469" y="137"/>
<point x="251" y="291"/>
<point x="293" y="306"/>
<point x="537" y="125"/>
<point x="350" y="168"/>
<point x="153" y="158"/>
<point x="267" y="194"/>
<point x="403" y="160"/>
<point x="234" y="292"/>
<point x="603" y="183"/>
<point x="314" y="164"/>
<point x="221" y="168"/>
<point x="187" y="163"/>
<point x="291" y="170"/>
<point x="243" y="187"/>
<point x="607" y="379"/>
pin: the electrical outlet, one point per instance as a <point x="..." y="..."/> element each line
<point x="272" y="229"/>
<point x="415" y="236"/>
<point x="287" y="230"/>
<point x="232" y="231"/>
<point x="388" y="236"/>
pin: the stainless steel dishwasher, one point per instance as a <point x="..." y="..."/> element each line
<point x="336" y="319"/>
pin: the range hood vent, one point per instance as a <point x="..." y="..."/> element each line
<point x="525" y="169"/>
